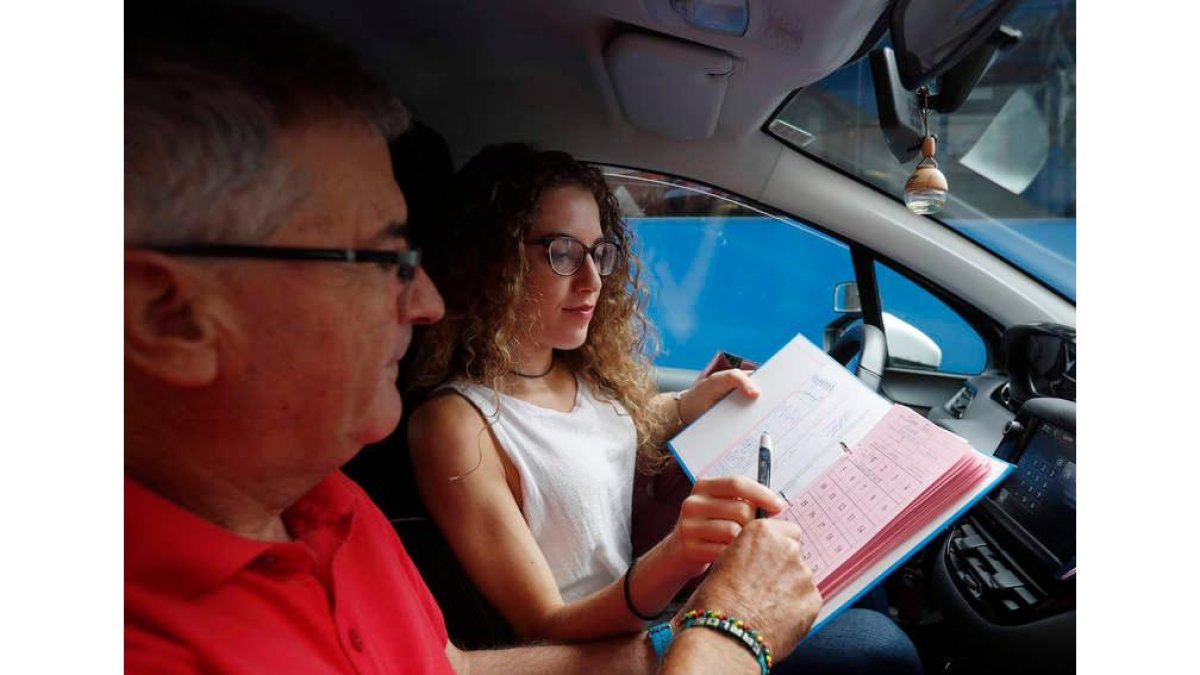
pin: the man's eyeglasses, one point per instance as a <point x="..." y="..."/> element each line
<point x="566" y="254"/>
<point x="406" y="262"/>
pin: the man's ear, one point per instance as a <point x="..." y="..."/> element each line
<point x="170" y="332"/>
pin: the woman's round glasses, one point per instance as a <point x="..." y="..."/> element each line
<point x="566" y="254"/>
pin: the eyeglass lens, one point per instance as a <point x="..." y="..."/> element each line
<point x="566" y="256"/>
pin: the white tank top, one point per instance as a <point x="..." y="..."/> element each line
<point x="576" y="471"/>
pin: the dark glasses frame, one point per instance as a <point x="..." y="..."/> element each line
<point x="406" y="262"/>
<point x="588" y="250"/>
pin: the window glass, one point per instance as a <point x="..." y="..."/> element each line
<point x="1008" y="152"/>
<point x="924" y="332"/>
<point x="723" y="275"/>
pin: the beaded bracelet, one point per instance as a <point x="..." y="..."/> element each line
<point x="736" y="628"/>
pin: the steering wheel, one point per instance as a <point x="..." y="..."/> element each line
<point x="869" y="344"/>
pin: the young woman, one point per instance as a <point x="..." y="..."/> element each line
<point x="541" y="406"/>
<point x="529" y="450"/>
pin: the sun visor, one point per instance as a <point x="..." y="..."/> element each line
<point x="669" y="87"/>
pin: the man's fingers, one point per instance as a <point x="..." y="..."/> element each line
<point x="761" y="577"/>
<point x="781" y="527"/>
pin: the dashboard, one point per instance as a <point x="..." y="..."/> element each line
<point x="1004" y="577"/>
<point x="1040" y="360"/>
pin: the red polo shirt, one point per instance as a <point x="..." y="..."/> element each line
<point x="343" y="597"/>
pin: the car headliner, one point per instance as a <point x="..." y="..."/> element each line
<point x="486" y="72"/>
<point x="533" y="70"/>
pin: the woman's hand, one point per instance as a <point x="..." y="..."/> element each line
<point x="713" y="515"/>
<point x="704" y="394"/>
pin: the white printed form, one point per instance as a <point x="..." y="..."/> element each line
<point x="809" y="405"/>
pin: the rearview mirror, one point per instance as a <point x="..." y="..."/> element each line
<point x="931" y="36"/>
<point x="949" y="61"/>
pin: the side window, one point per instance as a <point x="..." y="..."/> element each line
<point x="723" y="275"/>
<point x="923" y="332"/>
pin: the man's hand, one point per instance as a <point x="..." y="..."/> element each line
<point x="762" y="579"/>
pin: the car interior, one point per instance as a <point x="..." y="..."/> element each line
<point x="761" y="150"/>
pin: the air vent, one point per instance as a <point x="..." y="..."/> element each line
<point x="988" y="577"/>
<point x="958" y="405"/>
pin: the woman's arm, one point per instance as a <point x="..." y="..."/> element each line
<point x="482" y="521"/>
<point x="624" y="655"/>
<point x="480" y="517"/>
<point x="679" y="409"/>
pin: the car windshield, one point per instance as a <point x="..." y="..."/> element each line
<point x="1008" y="152"/>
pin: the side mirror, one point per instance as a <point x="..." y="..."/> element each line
<point x="907" y="345"/>
<point x="846" y="298"/>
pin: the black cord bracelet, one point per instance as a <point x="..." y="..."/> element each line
<point x="629" y="598"/>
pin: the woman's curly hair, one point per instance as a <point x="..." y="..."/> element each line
<point x="478" y="263"/>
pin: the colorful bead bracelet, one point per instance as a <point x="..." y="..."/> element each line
<point x="736" y="629"/>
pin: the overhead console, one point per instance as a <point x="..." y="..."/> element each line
<point x="1005" y="577"/>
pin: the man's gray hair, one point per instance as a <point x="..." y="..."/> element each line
<point x="208" y="89"/>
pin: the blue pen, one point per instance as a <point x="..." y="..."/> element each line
<point x="764" y="468"/>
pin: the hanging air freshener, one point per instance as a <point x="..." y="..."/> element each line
<point x="925" y="191"/>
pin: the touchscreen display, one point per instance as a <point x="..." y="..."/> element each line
<point x="1040" y="493"/>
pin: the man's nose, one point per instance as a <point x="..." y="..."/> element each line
<point x="424" y="302"/>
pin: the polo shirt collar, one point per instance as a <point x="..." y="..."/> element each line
<point x="173" y="551"/>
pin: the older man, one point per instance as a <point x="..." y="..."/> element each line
<point x="270" y="292"/>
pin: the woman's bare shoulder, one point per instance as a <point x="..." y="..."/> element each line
<point x="446" y="418"/>
<point x="448" y="440"/>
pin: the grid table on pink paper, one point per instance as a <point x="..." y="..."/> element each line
<point x="856" y="497"/>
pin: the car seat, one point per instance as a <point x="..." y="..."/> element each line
<point x="423" y="168"/>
